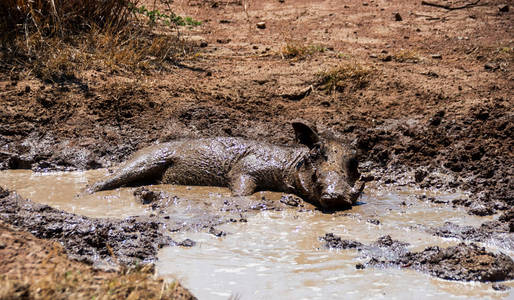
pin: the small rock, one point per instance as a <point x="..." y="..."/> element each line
<point x="203" y="44"/>
<point x="291" y="200"/>
<point x="187" y="243"/>
<point x="373" y="56"/>
<point x="3" y="245"/>
<point x="504" y="8"/>
<point x="397" y="17"/>
<point x="437" y="56"/>
<point x="374" y="221"/>
<point x="261" y="25"/>
<point x="500" y="287"/>
<point x="491" y="67"/>
<point x="480" y="210"/>
<point x="146" y="196"/>
<point x="217" y="232"/>
<point x="419" y="175"/>
<point x="365" y="4"/>
<point x="359" y="266"/>
<point x="387" y="58"/>
<point x="223" y="41"/>
<point x="431" y="74"/>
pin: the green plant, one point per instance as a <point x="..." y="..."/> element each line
<point x="155" y="15"/>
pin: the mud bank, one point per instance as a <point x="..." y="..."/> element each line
<point x="466" y="262"/>
<point x="103" y="242"/>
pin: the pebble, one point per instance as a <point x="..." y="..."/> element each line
<point x="387" y="58"/>
<point x="500" y="287"/>
<point x="491" y="66"/>
<point x="398" y="17"/>
<point x="437" y="56"/>
<point x="261" y="25"/>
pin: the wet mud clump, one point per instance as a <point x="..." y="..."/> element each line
<point x="463" y="262"/>
<point x="498" y="232"/>
<point x="102" y="242"/>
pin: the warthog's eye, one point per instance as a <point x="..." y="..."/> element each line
<point x="352" y="165"/>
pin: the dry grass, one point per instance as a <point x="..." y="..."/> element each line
<point x="80" y="284"/>
<point x="297" y="50"/>
<point x="346" y="76"/>
<point x="32" y="268"/>
<point x="49" y="17"/>
<point x="407" y="56"/>
<point x="57" y="42"/>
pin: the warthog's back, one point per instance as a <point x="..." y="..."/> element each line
<point x="212" y="161"/>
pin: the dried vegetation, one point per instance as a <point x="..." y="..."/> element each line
<point x="298" y="50"/>
<point x="39" y="269"/>
<point x="346" y="76"/>
<point x="56" y="39"/>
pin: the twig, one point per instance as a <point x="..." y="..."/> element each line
<point x="448" y="7"/>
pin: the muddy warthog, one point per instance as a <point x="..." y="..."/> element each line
<point x="321" y="171"/>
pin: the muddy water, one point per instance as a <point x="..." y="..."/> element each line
<point x="277" y="254"/>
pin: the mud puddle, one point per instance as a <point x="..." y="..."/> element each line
<point x="275" y="253"/>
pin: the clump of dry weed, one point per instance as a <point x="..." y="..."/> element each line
<point x="297" y="50"/>
<point x="407" y="56"/>
<point x="346" y="76"/>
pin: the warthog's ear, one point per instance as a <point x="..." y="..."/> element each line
<point x="305" y="135"/>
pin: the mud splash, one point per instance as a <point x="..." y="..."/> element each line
<point x="264" y="248"/>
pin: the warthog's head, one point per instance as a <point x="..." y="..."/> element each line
<point x="328" y="171"/>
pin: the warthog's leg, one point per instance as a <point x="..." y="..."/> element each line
<point x="242" y="185"/>
<point x="140" y="168"/>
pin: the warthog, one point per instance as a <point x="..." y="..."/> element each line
<point x="321" y="171"/>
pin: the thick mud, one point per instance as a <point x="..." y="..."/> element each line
<point x="103" y="242"/>
<point x="466" y="262"/>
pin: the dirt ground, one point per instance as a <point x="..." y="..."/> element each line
<point x="424" y="93"/>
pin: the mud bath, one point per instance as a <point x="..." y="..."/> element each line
<point x="263" y="247"/>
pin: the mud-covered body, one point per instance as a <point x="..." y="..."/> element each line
<point x="245" y="166"/>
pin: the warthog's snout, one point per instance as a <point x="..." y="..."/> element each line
<point x="335" y="191"/>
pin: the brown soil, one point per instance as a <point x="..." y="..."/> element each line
<point x="427" y="99"/>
